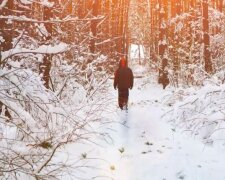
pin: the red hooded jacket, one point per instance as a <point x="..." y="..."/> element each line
<point x="123" y="76"/>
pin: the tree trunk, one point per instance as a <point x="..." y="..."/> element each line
<point x="94" y="22"/>
<point x="221" y="6"/>
<point x="206" y="40"/>
<point x="5" y="30"/>
<point x="45" y="66"/>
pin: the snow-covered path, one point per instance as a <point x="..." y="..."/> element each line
<point x="148" y="148"/>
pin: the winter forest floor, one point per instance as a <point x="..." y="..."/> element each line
<point x="144" y="146"/>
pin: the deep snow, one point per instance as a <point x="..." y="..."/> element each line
<point x="146" y="147"/>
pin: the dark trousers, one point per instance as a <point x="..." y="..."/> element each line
<point x="123" y="98"/>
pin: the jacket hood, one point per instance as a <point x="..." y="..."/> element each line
<point x="123" y="63"/>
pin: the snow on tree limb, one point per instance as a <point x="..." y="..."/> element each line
<point x="3" y="4"/>
<point x="66" y="19"/>
<point x="44" y="49"/>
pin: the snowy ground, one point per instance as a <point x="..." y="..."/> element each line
<point x="153" y="151"/>
<point x="147" y="147"/>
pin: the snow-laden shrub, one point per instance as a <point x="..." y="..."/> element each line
<point x="35" y="124"/>
<point x="84" y="73"/>
<point x="199" y="111"/>
<point x="186" y="44"/>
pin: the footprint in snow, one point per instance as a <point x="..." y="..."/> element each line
<point x="148" y="143"/>
<point x="143" y="134"/>
<point x="146" y="152"/>
<point x="159" y="151"/>
<point x="180" y="175"/>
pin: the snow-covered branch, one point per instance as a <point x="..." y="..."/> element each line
<point x="44" y="49"/>
<point x="53" y="21"/>
<point x="3" y="4"/>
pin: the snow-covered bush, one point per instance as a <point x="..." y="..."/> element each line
<point x="35" y="124"/>
<point x="200" y="111"/>
<point x="186" y="44"/>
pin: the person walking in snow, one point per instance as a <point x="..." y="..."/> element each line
<point x="163" y="73"/>
<point x="123" y="81"/>
<point x="165" y="79"/>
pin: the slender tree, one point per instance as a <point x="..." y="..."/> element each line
<point x="94" y="22"/>
<point x="206" y="40"/>
<point x="45" y="66"/>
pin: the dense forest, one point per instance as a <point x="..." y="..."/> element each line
<point x="185" y="32"/>
<point x="56" y="57"/>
